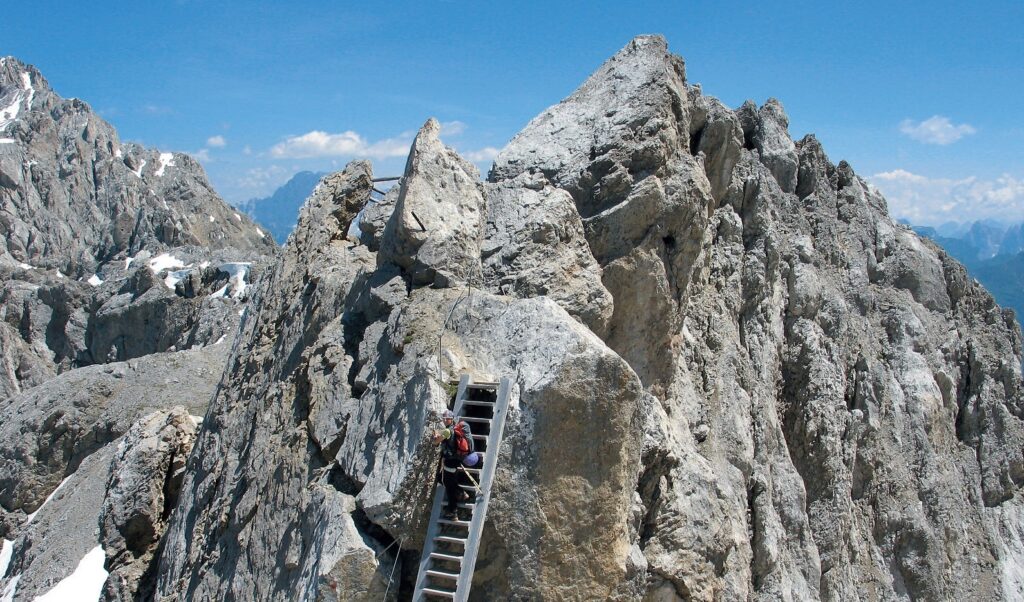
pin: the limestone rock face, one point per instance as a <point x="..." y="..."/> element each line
<point x="145" y="478"/>
<point x="534" y="246"/>
<point x="72" y="195"/>
<point x="434" y="232"/>
<point x="814" y="353"/>
<point x="736" y="378"/>
<point x="261" y="476"/>
<point x="47" y="432"/>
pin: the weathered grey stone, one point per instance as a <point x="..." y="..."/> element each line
<point x="75" y="196"/>
<point x="49" y="547"/>
<point x="145" y="478"/>
<point x="534" y="245"/>
<point x="46" y="432"/>
<point x="771" y="139"/>
<point x="260" y="478"/>
<point x="794" y="398"/>
<point x="435" y="229"/>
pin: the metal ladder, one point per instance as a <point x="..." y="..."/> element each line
<point x="449" y="550"/>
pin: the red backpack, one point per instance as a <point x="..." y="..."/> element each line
<point x="463" y="445"/>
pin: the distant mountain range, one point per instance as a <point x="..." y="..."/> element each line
<point x="279" y="211"/>
<point x="992" y="252"/>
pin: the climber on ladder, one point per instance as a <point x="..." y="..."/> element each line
<point x="457" y="448"/>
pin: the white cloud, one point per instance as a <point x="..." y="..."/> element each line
<point x="262" y="178"/>
<point x="931" y="201"/>
<point x="488" y="153"/>
<point x="935" y="130"/>
<point x="202" y="155"/>
<point x="346" y="144"/>
<point x="216" y="141"/>
<point x="452" y="128"/>
<point x="247" y="150"/>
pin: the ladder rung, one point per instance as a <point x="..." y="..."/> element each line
<point x="438" y="592"/>
<point x="450" y="539"/>
<point x="442" y="574"/>
<point x="448" y="557"/>
<point x="473" y="402"/>
<point x="456" y="523"/>
<point x="482" y="385"/>
<point x="484" y="437"/>
<point x="468" y="487"/>
<point x="467" y="506"/>
<point x="471" y="419"/>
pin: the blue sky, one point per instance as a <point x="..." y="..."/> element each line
<point x="925" y="99"/>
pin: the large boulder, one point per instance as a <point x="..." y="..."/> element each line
<point x="435" y="229"/>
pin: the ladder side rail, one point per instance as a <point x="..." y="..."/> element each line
<point x="460" y="396"/>
<point x="486" y="477"/>
<point x="428" y="544"/>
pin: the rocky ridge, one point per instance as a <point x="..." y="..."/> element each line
<point x="736" y="378"/>
<point x="110" y="251"/>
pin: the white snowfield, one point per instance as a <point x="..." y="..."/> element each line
<point x="26" y="83"/>
<point x="84" y="585"/>
<point x="9" y="113"/>
<point x="5" y="556"/>
<point x="238" y="271"/>
<point x="165" y="261"/>
<point x="95" y="280"/>
<point x="166" y="160"/>
<point x="177" y="270"/>
<point x="138" y="173"/>
<point x="12" y="587"/>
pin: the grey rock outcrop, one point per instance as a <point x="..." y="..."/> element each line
<point x="534" y="246"/>
<point x="73" y="196"/>
<point x="260" y="477"/>
<point x="819" y="349"/>
<point x="372" y="372"/>
<point x="736" y="376"/>
<point x="65" y="530"/>
<point x="48" y="431"/>
<point x="114" y="503"/>
<point x="434" y="232"/>
<point x="145" y="478"/>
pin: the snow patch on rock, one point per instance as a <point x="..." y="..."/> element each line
<point x="12" y="587"/>
<point x="5" y="556"/>
<point x="238" y="272"/>
<point x="138" y="172"/>
<point x="166" y="160"/>
<point x="9" y="113"/>
<point x="164" y="261"/>
<point x="85" y="584"/>
<point x="26" y="83"/>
